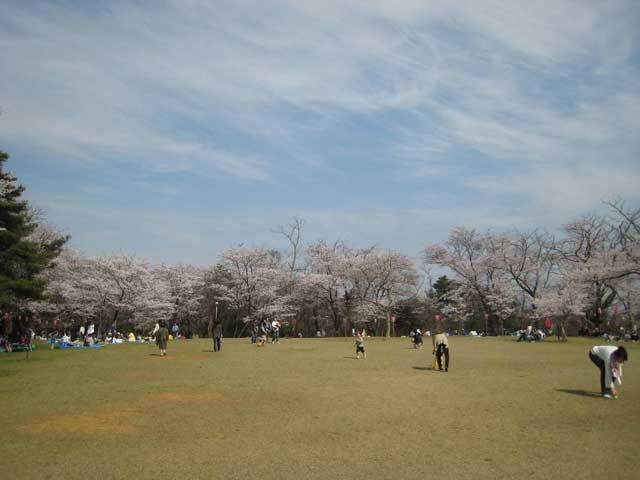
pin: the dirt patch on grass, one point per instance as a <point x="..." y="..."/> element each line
<point x="189" y="397"/>
<point x="109" y="421"/>
<point x="115" y="420"/>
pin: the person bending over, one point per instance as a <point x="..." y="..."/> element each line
<point x="609" y="360"/>
<point x="440" y="348"/>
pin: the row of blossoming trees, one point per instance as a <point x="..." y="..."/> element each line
<point x="336" y="288"/>
<point x="591" y="273"/>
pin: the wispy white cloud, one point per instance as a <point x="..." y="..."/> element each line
<point x="481" y="101"/>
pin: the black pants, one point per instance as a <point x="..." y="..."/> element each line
<point x="442" y="348"/>
<point x="600" y="364"/>
<point x="217" y="344"/>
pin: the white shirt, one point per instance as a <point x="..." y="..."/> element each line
<point x="440" y="339"/>
<point x="91" y="329"/>
<point x="611" y="367"/>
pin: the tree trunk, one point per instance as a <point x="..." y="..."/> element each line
<point x="388" y="324"/>
<point x="235" y="328"/>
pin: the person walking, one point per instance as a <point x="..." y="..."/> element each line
<point x="609" y="360"/>
<point x="440" y="348"/>
<point x="217" y="337"/>
<point x="162" y="336"/>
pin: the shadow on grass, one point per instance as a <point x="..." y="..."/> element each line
<point x="352" y="358"/>
<point x="582" y="393"/>
<point x="422" y="368"/>
<point x="155" y="355"/>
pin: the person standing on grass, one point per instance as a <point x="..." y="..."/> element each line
<point x="441" y="347"/>
<point x="265" y="328"/>
<point x="162" y="336"/>
<point x="254" y="333"/>
<point x="91" y="330"/>
<point x="275" y="331"/>
<point x="154" y="332"/>
<point x="360" y="345"/>
<point x="217" y="337"/>
<point x="175" y="330"/>
<point x="609" y="360"/>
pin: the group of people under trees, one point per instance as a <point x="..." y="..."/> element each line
<point x="161" y="335"/>
<point x="531" y="334"/>
<point x="262" y="331"/>
<point x="86" y="336"/>
<point x="15" y="332"/>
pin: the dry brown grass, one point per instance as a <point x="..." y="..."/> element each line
<point x="112" y="421"/>
<point x="189" y="397"/>
<point x="305" y="409"/>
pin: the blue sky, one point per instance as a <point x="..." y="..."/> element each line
<point x="176" y="129"/>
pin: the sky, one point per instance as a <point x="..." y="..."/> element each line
<point x="175" y="129"/>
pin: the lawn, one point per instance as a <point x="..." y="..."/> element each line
<point x="307" y="409"/>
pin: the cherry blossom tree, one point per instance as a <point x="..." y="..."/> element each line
<point x="67" y="297"/>
<point x="569" y="296"/>
<point x="629" y="298"/>
<point x="625" y="252"/>
<point x="587" y="250"/>
<point x="528" y="258"/>
<point x="185" y="288"/>
<point x="325" y="279"/>
<point x="254" y="281"/>
<point x="379" y="280"/>
<point x="471" y="256"/>
<point x="109" y="289"/>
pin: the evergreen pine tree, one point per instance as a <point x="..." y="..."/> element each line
<point x="21" y="258"/>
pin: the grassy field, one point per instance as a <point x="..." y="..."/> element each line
<point x="306" y="409"/>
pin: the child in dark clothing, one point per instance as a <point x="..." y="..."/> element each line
<point x="360" y="345"/>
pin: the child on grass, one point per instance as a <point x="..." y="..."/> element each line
<point x="417" y="339"/>
<point x="360" y="345"/>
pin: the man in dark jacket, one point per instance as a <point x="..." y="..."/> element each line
<point x="217" y="337"/>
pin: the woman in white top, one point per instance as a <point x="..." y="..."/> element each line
<point x="609" y="360"/>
